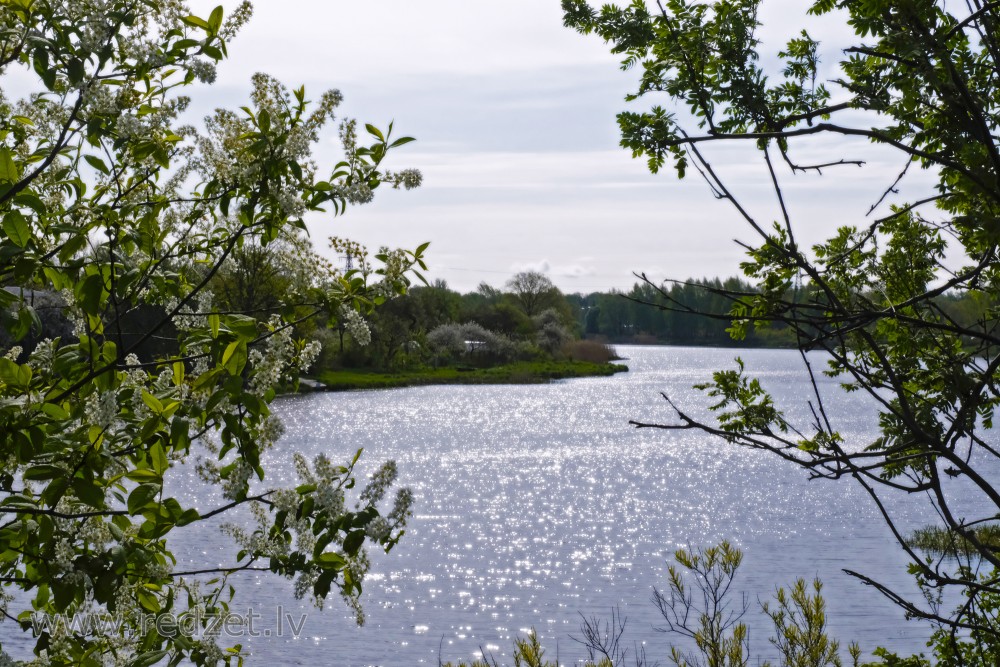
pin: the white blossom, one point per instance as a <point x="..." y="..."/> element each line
<point x="308" y="355"/>
<point x="378" y="529"/>
<point x="213" y="654"/>
<point x="330" y="498"/>
<point x="204" y="70"/>
<point x="379" y="483"/>
<point x="102" y="408"/>
<point x="236" y="482"/>
<point x="355" y="325"/>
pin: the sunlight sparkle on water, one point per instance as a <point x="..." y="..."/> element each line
<point x="538" y="503"/>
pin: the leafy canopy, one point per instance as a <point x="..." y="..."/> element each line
<point x="121" y="219"/>
<point x="918" y="78"/>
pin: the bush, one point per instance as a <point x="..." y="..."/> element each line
<point x="448" y="343"/>
<point x="550" y="334"/>
<point x="699" y="609"/>
<point x="589" y="350"/>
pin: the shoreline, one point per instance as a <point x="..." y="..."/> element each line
<point x="526" y="372"/>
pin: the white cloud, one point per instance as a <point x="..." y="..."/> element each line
<point x="515" y="120"/>
<point x="554" y="271"/>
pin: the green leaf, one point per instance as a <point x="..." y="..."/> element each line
<point x="196" y="22"/>
<point x="43" y="472"/>
<point x="235" y="357"/>
<point x="89" y="492"/>
<point x="14" y="374"/>
<point x="31" y="200"/>
<point x="8" y="170"/>
<point x="215" y="19"/>
<point x="152" y="657"/>
<point x="97" y="163"/>
<point x="374" y="131"/>
<point x="142" y="497"/>
<point x="212" y="52"/>
<point x="16" y="227"/>
<point x="142" y="475"/>
<point x="149" y="602"/>
<point x="75" y="70"/>
<point x="152" y="401"/>
<point x="179" y="433"/>
<point x="158" y="458"/>
<point x="187" y="516"/>
<point x="353" y="542"/>
<point x="90" y="293"/>
<point x="179" y="370"/>
<point x="330" y="559"/>
<point x="54" y="492"/>
<point x="245" y="327"/>
<point x="55" y="411"/>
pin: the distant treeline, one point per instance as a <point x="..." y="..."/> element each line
<point x="514" y="312"/>
<point x="614" y="316"/>
<point x="691" y="316"/>
<point x="528" y="319"/>
<point x="688" y="313"/>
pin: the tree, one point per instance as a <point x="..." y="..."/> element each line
<point x="258" y="277"/>
<point x="108" y="202"/>
<point x="533" y="291"/>
<point x="919" y="80"/>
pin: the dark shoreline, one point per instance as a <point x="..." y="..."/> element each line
<point x="516" y="373"/>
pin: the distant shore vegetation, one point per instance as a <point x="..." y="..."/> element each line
<point x="527" y="332"/>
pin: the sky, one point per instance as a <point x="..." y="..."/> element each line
<point x="514" y="117"/>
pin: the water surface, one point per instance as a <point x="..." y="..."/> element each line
<point x="539" y="503"/>
<point x="536" y="504"/>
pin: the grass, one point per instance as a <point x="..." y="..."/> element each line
<point x="522" y="372"/>
<point x="939" y="541"/>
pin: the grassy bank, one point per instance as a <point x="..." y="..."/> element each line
<point x="522" y="372"/>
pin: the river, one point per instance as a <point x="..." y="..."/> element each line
<point x="536" y="504"/>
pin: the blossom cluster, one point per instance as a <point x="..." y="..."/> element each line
<point x="355" y="325"/>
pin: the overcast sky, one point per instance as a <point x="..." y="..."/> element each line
<point x="514" y="117"/>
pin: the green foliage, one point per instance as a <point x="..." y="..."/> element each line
<point x="692" y="312"/>
<point x="699" y="609"/>
<point x="129" y="221"/>
<point x="528" y="652"/>
<point x="800" y="628"/>
<point x="904" y="304"/>
<point x="428" y="325"/>
<point x="743" y="406"/>
<point x="589" y="350"/>
<point x="938" y="541"/>
<point x="533" y="291"/>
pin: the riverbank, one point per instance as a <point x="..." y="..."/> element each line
<point x="523" y="372"/>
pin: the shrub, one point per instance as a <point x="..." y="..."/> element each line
<point x="589" y="350"/>
<point x="550" y="334"/>
<point x="448" y="343"/>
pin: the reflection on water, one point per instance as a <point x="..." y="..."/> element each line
<point x="536" y="504"/>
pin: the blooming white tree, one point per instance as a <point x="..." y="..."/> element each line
<point x="109" y="203"/>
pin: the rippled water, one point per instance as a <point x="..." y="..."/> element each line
<point x="536" y="504"/>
